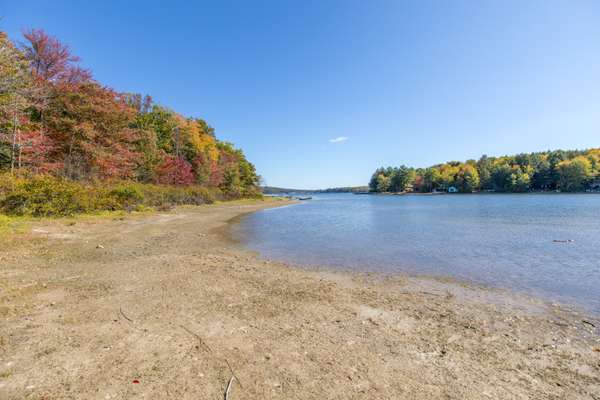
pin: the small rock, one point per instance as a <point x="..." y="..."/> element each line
<point x="99" y="246"/>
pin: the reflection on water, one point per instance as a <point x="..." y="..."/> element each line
<point x="500" y="240"/>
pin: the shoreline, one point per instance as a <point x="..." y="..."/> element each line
<point x="89" y="308"/>
<point x="565" y="305"/>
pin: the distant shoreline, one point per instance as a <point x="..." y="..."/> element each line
<point x="430" y="194"/>
<point x="475" y="193"/>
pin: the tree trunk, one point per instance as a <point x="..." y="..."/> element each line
<point x="41" y="123"/>
<point x="14" y="143"/>
<point x="19" y="147"/>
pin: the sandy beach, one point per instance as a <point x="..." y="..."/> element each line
<point x="168" y="306"/>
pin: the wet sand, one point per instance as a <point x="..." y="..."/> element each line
<point x="167" y="306"/>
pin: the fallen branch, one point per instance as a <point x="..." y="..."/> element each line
<point x="125" y="316"/>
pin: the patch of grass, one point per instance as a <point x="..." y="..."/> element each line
<point x="241" y="201"/>
<point x="5" y="374"/>
<point x="12" y="224"/>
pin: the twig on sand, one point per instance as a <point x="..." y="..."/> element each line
<point x="232" y="373"/>
<point x="421" y="292"/>
<point x="229" y="384"/>
<point x="125" y="316"/>
<point x="202" y="343"/>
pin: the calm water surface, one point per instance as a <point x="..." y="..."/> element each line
<point x="498" y="240"/>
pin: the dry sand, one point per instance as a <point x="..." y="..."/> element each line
<point x="163" y="306"/>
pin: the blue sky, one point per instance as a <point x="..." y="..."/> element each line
<point x="396" y="82"/>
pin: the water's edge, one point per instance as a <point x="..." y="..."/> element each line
<point x="492" y="294"/>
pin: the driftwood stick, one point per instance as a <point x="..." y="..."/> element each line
<point x="421" y="292"/>
<point x="125" y="316"/>
<point x="228" y="388"/>
<point x="233" y="374"/>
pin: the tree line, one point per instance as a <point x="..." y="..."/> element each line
<point x="56" y="119"/>
<point x="563" y="170"/>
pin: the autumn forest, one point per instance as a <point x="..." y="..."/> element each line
<point x="59" y="125"/>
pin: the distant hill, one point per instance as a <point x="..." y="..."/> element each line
<point x="349" y="189"/>
<point x="278" y="190"/>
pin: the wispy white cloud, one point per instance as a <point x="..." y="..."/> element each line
<point x="339" y="139"/>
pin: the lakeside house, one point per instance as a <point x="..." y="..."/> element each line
<point x="443" y="189"/>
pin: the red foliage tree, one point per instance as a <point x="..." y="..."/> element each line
<point x="175" y="171"/>
<point x="90" y="126"/>
<point x="51" y="65"/>
<point x="218" y="169"/>
<point x="33" y="150"/>
<point x="51" y="60"/>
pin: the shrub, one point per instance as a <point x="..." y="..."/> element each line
<point x="45" y="195"/>
<point x="124" y="196"/>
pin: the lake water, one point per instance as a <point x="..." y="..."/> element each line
<point x="503" y="241"/>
